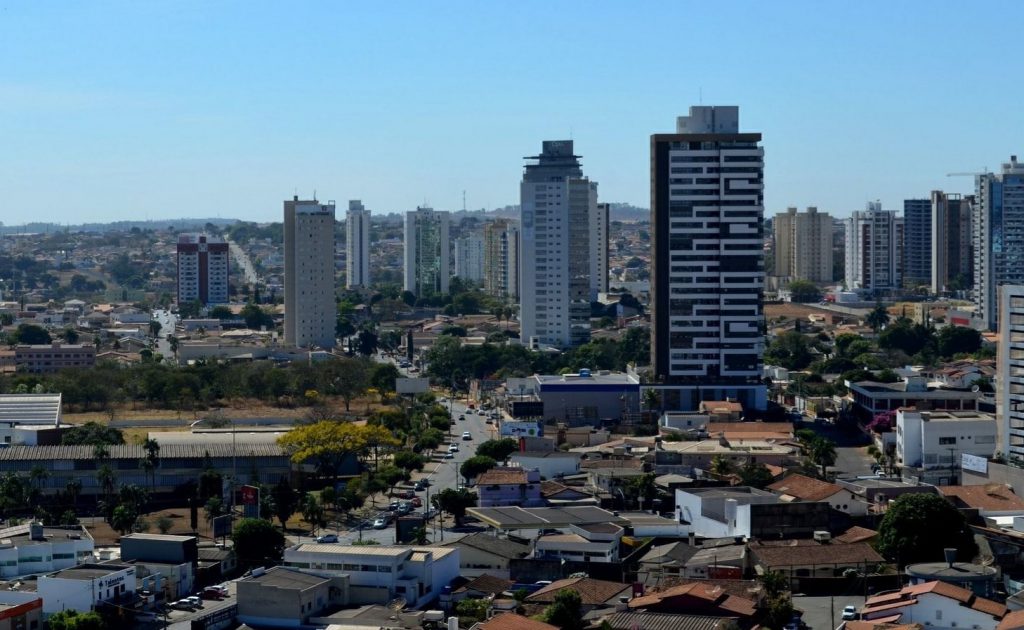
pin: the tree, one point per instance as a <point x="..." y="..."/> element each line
<point x="953" y="340"/>
<point x="790" y="350"/>
<point x="69" y="518"/>
<point x="454" y="502"/>
<point x="410" y="461"/>
<point x="92" y="433"/>
<point x="382" y="378"/>
<point x="474" y="466"/>
<point x="257" y="543"/>
<point x="327" y="444"/>
<point x="255" y="317"/>
<point x="164" y="524"/>
<point x="70" y="335"/>
<point x="154" y="328"/>
<point x="214" y="507"/>
<point x="906" y="336"/>
<point x="642" y="489"/>
<point x="366" y="343"/>
<point x="472" y="609"/>
<point x="31" y="334"/>
<point x="823" y="453"/>
<point x="878" y="317"/>
<point x="285" y="501"/>
<point x="313" y="511"/>
<point x="755" y="474"/>
<point x="804" y="291"/>
<point x="498" y="450"/>
<point x="566" y="611"/>
<point x="917" y="527"/>
<point x="123" y="518"/>
<point x="721" y="466"/>
<point x="74" y="620"/>
<point x="350" y="379"/>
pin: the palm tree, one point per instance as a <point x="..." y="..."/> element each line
<point x="107" y="481"/>
<point x="651" y="399"/>
<point x="74" y="488"/>
<point x="823" y="453"/>
<point x="507" y="312"/>
<point x="721" y="466"/>
<point x="878" y="317"/>
<point x="152" y="460"/>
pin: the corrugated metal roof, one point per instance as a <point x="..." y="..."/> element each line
<point x="137" y="451"/>
<point x="652" y="621"/>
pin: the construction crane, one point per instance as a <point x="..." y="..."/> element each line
<point x="983" y="172"/>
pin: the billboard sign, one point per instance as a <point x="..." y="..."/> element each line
<point x="222" y="526"/>
<point x="520" y="429"/>
<point x="974" y="463"/>
<point x="411" y="385"/>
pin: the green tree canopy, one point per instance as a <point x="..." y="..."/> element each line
<point x="454" y="502"/>
<point x="804" y="291"/>
<point x="257" y="543"/>
<point x="917" y="527"/>
<point x="953" y="340"/>
<point x="566" y="611"/>
<point x="31" y="334"/>
<point x="790" y="350"/>
<point x="92" y="433"/>
<point x="498" y="450"/>
<point x="74" y="620"/>
<point x="476" y="465"/>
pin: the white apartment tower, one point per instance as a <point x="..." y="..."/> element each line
<point x="558" y="207"/>
<point x="803" y="245"/>
<point x="469" y="258"/>
<point x="310" y="311"/>
<point x="1010" y="371"/>
<point x="427" y="256"/>
<point x="874" y="250"/>
<point x="501" y="259"/>
<point x="599" y="250"/>
<point x="707" y="271"/>
<point x="997" y="239"/>
<point x="357" y="245"/>
<point x="203" y="269"/>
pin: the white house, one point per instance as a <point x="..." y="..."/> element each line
<point x="551" y="464"/>
<point x="584" y="543"/>
<point x="930" y="443"/>
<point x="82" y="587"/>
<point x="798" y="487"/>
<point x="936" y="605"/>
<point x="419" y="574"/>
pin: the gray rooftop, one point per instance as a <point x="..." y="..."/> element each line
<point x="89" y="571"/>
<point x="137" y="451"/>
<point x="30" y="408"/>
<point x="283" y="578"/>
<point x="657" y="621"/>
<point x="501" y="547"/>
<point x="538" y="518"/>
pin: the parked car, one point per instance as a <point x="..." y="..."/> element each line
<point x="406" y="494"/>
<point x="393" y="506"/>
<point x="404" y="508"/>
<point x="211" y="593"/>
<point x="849" y="613"/>
<point x="488" y="421"/>
<point x="181" y="604"/>
<point x="327" y="538"/>
<point x="416" y="502"/>
<point x="462" y="418"/>
<point x="194" y="600"/>
<point x="449" y="455"/>
<point x="420" y="486"/>
<point x="380" y="523"/>
<point x="466" y="435"/>
<point x="453" y="448"/>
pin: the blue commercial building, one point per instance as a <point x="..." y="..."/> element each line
<point x="588" y="397"/>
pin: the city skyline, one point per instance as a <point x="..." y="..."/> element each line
<point x="134" y="112"/>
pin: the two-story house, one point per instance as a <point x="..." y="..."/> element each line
<point x="502" y="486"/>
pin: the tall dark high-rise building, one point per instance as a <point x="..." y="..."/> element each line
<point x="707" y="271"/>
<point x="951" y="264"/>
<point x="917" y="242"/>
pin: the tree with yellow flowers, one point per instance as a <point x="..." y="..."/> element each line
<point x="328" y="443"/>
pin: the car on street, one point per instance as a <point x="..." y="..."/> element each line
<point x="849" y="613"/>
<point x="194" y="600"/>
<point x="466" y="435"/>
<point x="380" y="523"/>
<point x="416" y="502"/>
<point x="327" y="538"/>
<point x="462" y="418"/>
<point x="211" y="593"/>
<point x="406" y="494"/>
<point x="488" y="421"/>
<point x="453" y="448"/>
<point x="404" y="507"/>
<point x="393" y="506"/>
<point x="448" y="455"/>
<point x="420" y="486"/>
<point x="181" y="604"/>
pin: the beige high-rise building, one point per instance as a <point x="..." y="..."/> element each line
<point x="501" y="258"/>
<point x="310" y="311"/>
<point x="803" y="245"/>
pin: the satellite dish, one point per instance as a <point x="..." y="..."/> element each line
<point x="397" y="604"/>
<point x="975" y="389"/>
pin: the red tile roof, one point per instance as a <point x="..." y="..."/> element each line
<point x="512" y="621"/>
<point x="710" y="594"/>
<point x="797" y="554"/>
<point x="908" y="596"/>
<point x="1013" y="620"/>
<point x="501" y="476"/>
<point x="805" y="488"/>
<point x="993" y="496"/>
<point x="593" y="592"/>
<point x="855" y="534"/>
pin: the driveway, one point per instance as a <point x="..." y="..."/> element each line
<point x="820" y="612"/>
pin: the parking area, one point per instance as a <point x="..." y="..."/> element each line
<point x="821" y="612"/>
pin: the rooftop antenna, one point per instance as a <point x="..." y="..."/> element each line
<point x="463" y="200"/>
<point x="700" y="95"/>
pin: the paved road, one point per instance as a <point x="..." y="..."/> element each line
<point x="442" y="473"/>
<point x="242" y="258"/>
<point x="168" y="322"/>
<point x="819" y="612"/>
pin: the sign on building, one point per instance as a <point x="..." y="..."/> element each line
<point x="519" y="429"/>
<point x="974" y="463"/>
<point x="411" y="385"/>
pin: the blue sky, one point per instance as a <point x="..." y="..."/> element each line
<point x="121" y="110"/>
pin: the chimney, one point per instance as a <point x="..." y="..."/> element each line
<point x="693" y="539"/>
<point x="453" y="623"/>
<point x="950" y="553"/>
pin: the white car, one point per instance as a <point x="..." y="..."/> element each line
<point x="849" y="613"/>
<point x="448" y="455"/>
<point x="380" y="523"/>
<point x="466" y="435"/>
<point x="453" y="448"/>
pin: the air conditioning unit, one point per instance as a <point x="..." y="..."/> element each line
<point x="822" y="536"/>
